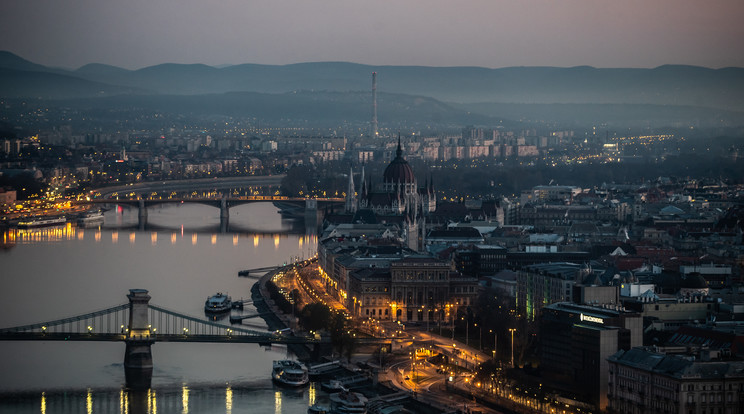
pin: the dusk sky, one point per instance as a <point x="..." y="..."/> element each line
<point x="489" y="33"/>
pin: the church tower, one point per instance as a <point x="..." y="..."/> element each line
<point x="351" y="205"/>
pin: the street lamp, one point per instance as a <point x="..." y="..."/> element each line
<point x="467" y="330"/>
<point x="512" y="345"/>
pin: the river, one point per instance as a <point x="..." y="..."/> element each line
<point x="57" y="272"/>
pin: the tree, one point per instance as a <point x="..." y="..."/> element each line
<point x="315" y="316"/>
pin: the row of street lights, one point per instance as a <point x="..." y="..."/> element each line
<point x="480" y="341"/>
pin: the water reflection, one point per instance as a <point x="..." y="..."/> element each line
<point x="226" y="399"/>
<point x="14" y="236"/>
<point x="89" y="402"/>
<point x="277" y="402"/>
<point x="185" y="399"/>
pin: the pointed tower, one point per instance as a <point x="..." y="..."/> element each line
<point x="351" y="194"/>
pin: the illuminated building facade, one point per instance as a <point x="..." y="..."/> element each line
<point x="578" y="339"/>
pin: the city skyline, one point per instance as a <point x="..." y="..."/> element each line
<point x="72" y="33"/>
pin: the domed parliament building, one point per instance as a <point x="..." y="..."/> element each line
<point x="398" y="195"/>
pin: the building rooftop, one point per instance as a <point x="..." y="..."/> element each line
<point x="678" y="366"/>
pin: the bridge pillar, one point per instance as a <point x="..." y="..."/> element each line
<point x="138" y="355"/>
<point x="142" y="214"/>
<point x="224" y="215"/>
<point x="312" y="215"/>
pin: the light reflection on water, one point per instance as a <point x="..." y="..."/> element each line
<point x="227" y="399"/>
<point x="68" y="271"/>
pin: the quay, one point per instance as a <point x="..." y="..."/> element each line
<point x="252" y="272"/>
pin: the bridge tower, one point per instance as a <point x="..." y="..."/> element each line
<point x="138" y="356"/>
<point x="142" y="214"/>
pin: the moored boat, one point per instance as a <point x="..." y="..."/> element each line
<point x="348" y="402"/>
<point x="41" y="222"/>
<point x="331" y="386"/>
<point x="318" y="409"/>
<point x="91" y="217"/>
<point x="218" y="303"/>
<point x="289" y="373"/>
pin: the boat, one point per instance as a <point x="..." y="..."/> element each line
<point x="91" y="217"/>
<point x="332" y="386"/>
<point x="41" y="222"/>
<point x="290" y="373"/>
<point x="338" y="384"/>
<point x="218" y="303"/>
<point x="348" y="402"/>
<point x="318" y="409"/>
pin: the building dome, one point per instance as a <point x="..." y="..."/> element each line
<point x="398" y="171"/>
<point x="694" y="281"/>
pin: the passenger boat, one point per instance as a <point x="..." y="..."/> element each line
<point x="218" y="303"/>
<point x="41" y="222"/>
<point x="347" y="402"/>
<point x="290" y="373"/>
<point x="91" y="218"/>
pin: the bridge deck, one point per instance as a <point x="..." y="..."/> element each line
<point x="108" y="337"/>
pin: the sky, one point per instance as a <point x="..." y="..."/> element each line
<point x="489" y="33"/>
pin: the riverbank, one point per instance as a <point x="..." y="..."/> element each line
<point x="275" y="319"/>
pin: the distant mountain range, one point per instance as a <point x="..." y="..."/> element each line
<point x="465" y="89"/>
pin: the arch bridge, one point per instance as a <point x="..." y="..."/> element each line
<point x="310" y="205"/>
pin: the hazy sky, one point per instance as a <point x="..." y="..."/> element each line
<point x="490" y="33"/>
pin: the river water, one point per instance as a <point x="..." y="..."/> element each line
<point x="58" y="272"/>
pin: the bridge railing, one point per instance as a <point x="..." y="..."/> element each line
<point x="113" y="323"/>
<point x="166" y="321"/>
<point x="110" y="320"/>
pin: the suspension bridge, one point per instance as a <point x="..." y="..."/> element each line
<point x="139" y="324"/>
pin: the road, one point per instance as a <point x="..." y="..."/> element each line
<point x="192" y="184"/>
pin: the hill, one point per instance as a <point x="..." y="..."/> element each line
<point x="664" y="85"/>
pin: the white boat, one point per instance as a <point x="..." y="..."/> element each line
<point x="91" y="217"/>
<point x="218" y="303"/>
<point x="290" y="373"/>
<point x="41" y="222"/>
<point x="347" y="402"/>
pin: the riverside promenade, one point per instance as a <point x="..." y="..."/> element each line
<point x="276" y="319"/>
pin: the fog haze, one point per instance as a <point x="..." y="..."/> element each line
<point x="138" y="33"/>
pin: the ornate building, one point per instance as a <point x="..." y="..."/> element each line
<point x="398" y="194"/>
